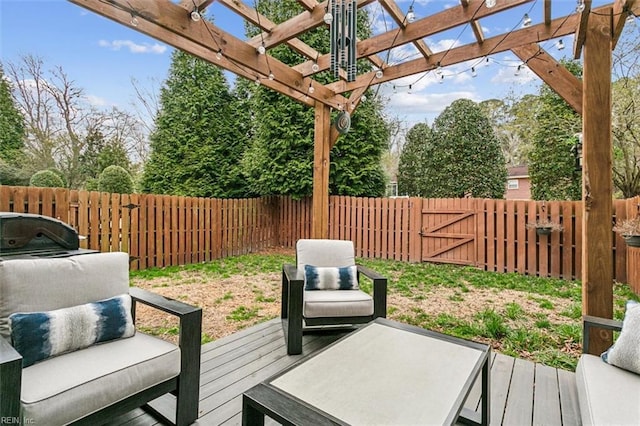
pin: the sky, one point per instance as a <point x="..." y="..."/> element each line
<point x="102" y="57"/>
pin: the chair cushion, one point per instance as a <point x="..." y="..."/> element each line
<point x="39" y="284"/>
<point x="607" y="395"/>
<point x="625" y="352"/>
<point x="334" y="303"/>
<point x="40" y="335"/>
<point x="330" y="278"/>
<point x="334" y="253"/>
<point x="62" y="389"/>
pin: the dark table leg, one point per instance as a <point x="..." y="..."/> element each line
<point x="250" y="415"/>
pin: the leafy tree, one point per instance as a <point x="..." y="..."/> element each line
<point x="463" y="157"/>
<point x="11" y="123"/>
<point x="197" y="145"/>
<point x="115" y="179"/>
<point x="280" y="157"/>
<point x="552" y="165"/>
<point x="46" y="179"/>
<point x="626" y="136"/>
<point x="410" y="168"/>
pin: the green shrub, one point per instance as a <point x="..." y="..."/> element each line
<point x="46" y="179"/>
<point x="91" y="184"/>
<point x="115" y="179"/>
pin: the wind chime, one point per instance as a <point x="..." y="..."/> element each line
<point x="343" y="37"/>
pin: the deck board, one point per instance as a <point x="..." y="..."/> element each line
<point x="522" y="393"/>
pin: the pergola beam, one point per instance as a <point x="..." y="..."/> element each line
<point x="308" y="4"/>
<point x="163" y="16"/>
<point x="399" y="16"/>
<point x="497" y="44"/>
<point x="475" y="24"/>
<point x="565" y="84"/>
<point x="581" y="31"/>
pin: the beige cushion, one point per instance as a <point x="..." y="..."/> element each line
<point x="337" y="253"/>
<point x="65" y="388"/>
<point x="40" y="284"/>
<point x="337" y="303"/>
<point x="607" y="395"/>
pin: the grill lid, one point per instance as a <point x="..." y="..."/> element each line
<point x="31" y="233"/>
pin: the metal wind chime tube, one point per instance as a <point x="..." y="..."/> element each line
<point x="343" y="38"/>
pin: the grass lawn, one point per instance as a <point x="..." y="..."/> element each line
<point x="527" y="317"/>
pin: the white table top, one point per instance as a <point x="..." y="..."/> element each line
<point x="384" y="375"/>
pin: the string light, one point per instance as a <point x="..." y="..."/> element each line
<point x="271" y="76"/>
<point x="328" y="17"/>
<point x="379" y="74"/>
<point x="195" y="15"/>
<point x="526" y="20"/>
<point x="560" y="45"/>
<point x="439" y="69"/>
<point x="257" y="80"/>
<point x="631" y="19"/>
<point x="411" y="16"/>
<point x="580" y="7"/>
<point x="363" y="98"/>
<point x="518" y="70"/>
<point x="219" y="54"/>
<point x="261" y="49"/>
<point x="441" y="79"/>
<point x="311" y="88"/>
<point x="473" y="72"/>
<point x="490" y="3"/>
<point x="315" y="67"/>
<point x="134" y="20"/>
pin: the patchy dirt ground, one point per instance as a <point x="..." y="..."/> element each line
<point x="230" y="304"/>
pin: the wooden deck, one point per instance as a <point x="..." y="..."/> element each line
<point x="522" y="393"/>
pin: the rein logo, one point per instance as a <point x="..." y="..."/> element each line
<point x="16" y="421"/>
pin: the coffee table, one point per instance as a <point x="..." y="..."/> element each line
<point x="384" y="373"/>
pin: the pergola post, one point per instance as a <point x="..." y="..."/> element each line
<point x="321" y="163"/>
<point x="597" y="187"/>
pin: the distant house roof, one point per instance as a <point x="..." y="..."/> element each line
<point x="518" y="172"/>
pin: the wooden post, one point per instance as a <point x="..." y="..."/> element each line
<point x="321" y="162"/>
<point x="597" y="248"/>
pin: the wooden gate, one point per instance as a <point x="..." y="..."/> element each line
<point x="449" y="230"/>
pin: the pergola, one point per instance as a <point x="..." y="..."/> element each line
<point x="596" y="32"/>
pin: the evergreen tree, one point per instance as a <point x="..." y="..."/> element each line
<point x="551" y="162"/>
<point x="280" y="158"/>
<point x="11" y="124"/>
<point x="410" y="167"/>
<point x="464" y="156"/>
<point x="197" y="144"/>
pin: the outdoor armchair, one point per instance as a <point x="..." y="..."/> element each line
<point x="323" y="289"/>
<point x="89" y="364"/>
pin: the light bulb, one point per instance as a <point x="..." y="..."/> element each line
<point x="327" y="18"/>
<point x="134" y="21"/>
<point x="518" y="70"/>
<point x="439" y="69"/>
<point x="315" y="67"/>
<point x="195" y="15"/>
<point x="363" y="98"/>
<point x="411" y="16"/>
<point x="379" y="74"/>
<point x="631" y="19"/>
<point x="580" y="7"/>
<point x="219" y="54"/>
<point x="560" y="45"/>
<point x="340" y="107"/>
<point x="441" y="79"/>
<point x="311" y="89"/>
<point x="261" y="49"/>
<point x="526" y="20"/>
<point x="490" y="3"/>
<point x="271" y="76"/>
<point x="473" y="72"/>
<point x="257" y="81"/>
<point x="410" y="87"/>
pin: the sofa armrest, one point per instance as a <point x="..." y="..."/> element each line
<point x="10" y="381"/>
<point x="379" y="291"/>
<point x="589" y="322"/>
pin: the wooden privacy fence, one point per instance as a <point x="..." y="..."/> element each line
<point x="159" y="230"/>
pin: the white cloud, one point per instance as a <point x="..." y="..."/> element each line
<point x="508" y="75"/>
<point x="133" y="47"/>
<point x="96" y="100"/>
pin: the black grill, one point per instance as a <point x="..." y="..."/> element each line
<point x="32" y="235"/>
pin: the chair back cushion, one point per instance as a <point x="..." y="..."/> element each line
<point x="41" y="284"/>
<point x="336" y="253"/>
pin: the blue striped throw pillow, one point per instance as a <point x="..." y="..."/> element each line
<point x="40" y="335"/>
<point x="329" y="278"/>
